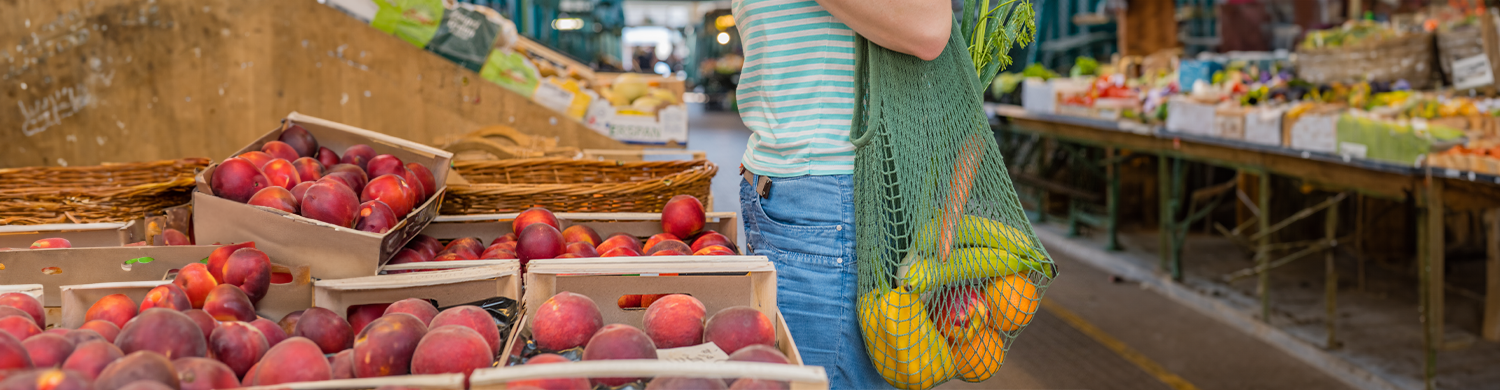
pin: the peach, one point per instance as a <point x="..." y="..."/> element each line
<point x="375" y="217"/>
<point x="499" y="252"/>
<point x="361" y="315"/>
<point x="392" y="190"/>
<point x="256" y="157"/>
<point x="80" y="336"/>
<point x="419" y="308"/>
<point x="300" y="190"/>
<point x="197" y="280"/>
<point x="533" y="215"/>
<point x="237" y="179"/>
<point x="417" y="195"/>
<point x="281" y="173"/>
<point x="26" y="304"/>
<point x="288" y="322"/>
<point x="426" y="245"/>
<point x="46" y="379"/>
<point x="164" y="331"/>
<point x="669" y="246"/>
<point x="539" y="241"/>
<point x="615" y="342"/>
<point x="174" y="237"/>
<point x="238" y="345"/>
<point x="352" y="179"/>
<point x="758" y="384"/>
<point x="656" y="239"/>
<point x="51" y="243"/>
<point x="276" y="198"/>
<point x="142" y="365"/>
<point x="331" y="203"/>
<point x="474" y="318"/>
<point x="581" y="249"/>
<point x="451" y="349"/>
<point x="47" y="350"/>
<point x="250" y="270"/>
<point x="295" y="360"/>
<point x="281" y="150"/>
<point x="116" y="308"/>
<point x="360" y="155"/>
<point x="216" y="261"/>
<point x="301" y="141"/>
<point x="551" y="383"/>
<point x="714" y="250"/>
<point x="759" y="353"/>
<point x="468" y="247"/>
<point x="205" y="322"/>
<point x="107" y="329"/>
<point x="327" y="157"/>
<point x="405" y="256"/>
<point x="685" y="383"/>
<point x="249" y="379"/>
<point x="166" y="296"/>
<point x="683" y="216"/>
<point x="620" y="252"/>
<point x="270" y="330"/>
<point x="508" y="237"/>
<point x="327" y="329"/>
<point x="737" y="327"/>
<point x="342" y="364"/>
<point x="12" y="353"/>
<point x="568" y="256"/>
<point x="619" y="240"/>
<point x="424" y="176"/>
<point x="385" y="164"/>
<point x="56" y="331"/>
<point x="564" y="321"/>
<point x="711" y="238"/>
<point x="668" y="252"/>
<point x="582" y="233"/>
<point x="385" y="347"/>
<point x="204" y="374"/>
<point x="675" y="320"/>
<point x="7" y="311"/>
<point x="91" y="357"/>
<point x="308" y="169"/>
<point x="228" y="302"/>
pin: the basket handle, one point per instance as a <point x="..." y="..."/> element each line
<point x="859" y="134"/>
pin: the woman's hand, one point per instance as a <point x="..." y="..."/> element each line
<point x="916" y="27"/>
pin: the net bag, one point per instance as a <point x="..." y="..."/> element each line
<point x="950" y="271"/>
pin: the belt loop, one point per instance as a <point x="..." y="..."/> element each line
<point x="761" y="183"/>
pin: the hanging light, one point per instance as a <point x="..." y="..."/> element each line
<point x="567" y="24"/>
<point x="724" y="22"/>
<point x="723" y="38"/>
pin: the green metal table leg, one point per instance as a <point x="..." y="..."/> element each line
<point x="1263" y="249"/>
<point x="1178" y="236"/>
<point x="1073" y="211"/>
<point x="1331" y="278"/>
<point x="1112" y="202"/>
<point x="1164" y="200"/>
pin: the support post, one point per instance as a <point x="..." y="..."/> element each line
<point x="1178" y="237"/>
<point x="1263" y="250"/>
<point x="1164" y="199"/>
<point x="1430" y="263"/>
<point x="1073" y="211"/>
<point x="1490" y="329"/>
<point x="1112" y="202"/>
<point x="1359" y="237"/>
<point x="1331" y="277"/>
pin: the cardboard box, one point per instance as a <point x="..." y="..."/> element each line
<point x="487" y="227"/>
<point x="1038" y="96"/>
<point x="497" y="278"/>
<point x="719" y="282"/>
<point x="1263" y="126"/>
<point x="668" y="127"/>
<point x="77" y="299"/>
<point x="1316" y="132"/>
<point x="1185" y="115"/>
<point x="424" y="382"/>
<point x="1229" y="122"/>
<point x="331" y="251"/>
<point x="81" y="235"/>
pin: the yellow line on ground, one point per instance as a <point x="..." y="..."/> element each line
<point x="1145" y="363"/>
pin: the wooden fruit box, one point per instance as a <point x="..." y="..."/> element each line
<point x="292" y="293"/>
<point x="487" y="227"/>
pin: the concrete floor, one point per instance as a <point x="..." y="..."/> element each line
<point x="1147" y="339"/>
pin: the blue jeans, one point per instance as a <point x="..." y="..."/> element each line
<point x="806" y="227"/>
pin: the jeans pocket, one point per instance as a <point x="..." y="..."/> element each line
<point x="804" y="215"/>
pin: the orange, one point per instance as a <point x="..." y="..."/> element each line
<point x="1015" y="299"/>
<point x="980" y="356"/>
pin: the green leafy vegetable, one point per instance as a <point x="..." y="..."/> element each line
<point x="992" y="31"/>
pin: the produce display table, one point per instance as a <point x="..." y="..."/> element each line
<point x="1435" y="189"/>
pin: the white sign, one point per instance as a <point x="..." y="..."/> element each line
<point x="552" y="96"/>
<point x="1472" y="72"/>
<point x="707" y="352"/>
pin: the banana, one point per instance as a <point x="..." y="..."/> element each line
<point x="924" y="273"/>
<point x="976" y="231"/>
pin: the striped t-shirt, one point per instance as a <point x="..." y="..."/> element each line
<point x="796" y="91"/>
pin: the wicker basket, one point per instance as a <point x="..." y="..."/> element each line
<point x="1408" y="57"/>
<point x="102" y="193"/>
<point x="564" y="185"/>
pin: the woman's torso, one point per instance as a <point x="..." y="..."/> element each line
<point x="796" y="91"/>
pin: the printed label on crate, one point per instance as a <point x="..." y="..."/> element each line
<point x="553" y="96"/>
<point x="1351" y="149"/>
<point x="707" y="352"/>
<point x="1472" y="72"/>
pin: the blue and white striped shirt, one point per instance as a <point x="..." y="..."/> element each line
<point x="796" y="91"/>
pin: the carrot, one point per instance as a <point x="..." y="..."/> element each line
<point x="964" y="169"/>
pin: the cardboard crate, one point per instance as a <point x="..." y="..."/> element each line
<point x="492" y="278"/>
<point x="1229" y="122"/>
<point x="1263" y="126"/>
<point x="667" y="128"/>
<point x="80" y="235"/>
<point x="77" y="299"/>
<point x="487" y="227"/>
<point x="718" y="281"/>
<point x="424" y="382"/>
<point x="331" y="251"/>
<point x="1315" y="130"/>
<point x="34" y="290"/>
<point x="1185" y="115"/>
<point x="54" y="268"/>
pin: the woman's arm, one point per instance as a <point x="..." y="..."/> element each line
<point x="915" y="27"/>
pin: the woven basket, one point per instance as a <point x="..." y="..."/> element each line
<point x="564" y="185"/>
<point x="101" y="193"/>
<point x="1408" y="57"/>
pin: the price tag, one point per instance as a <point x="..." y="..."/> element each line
<point x="1472" y="72"/>
<point x="553" y="96"/>
<point x="706" y="352"/>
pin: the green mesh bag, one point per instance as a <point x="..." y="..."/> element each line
<point x="950" y="271"/>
